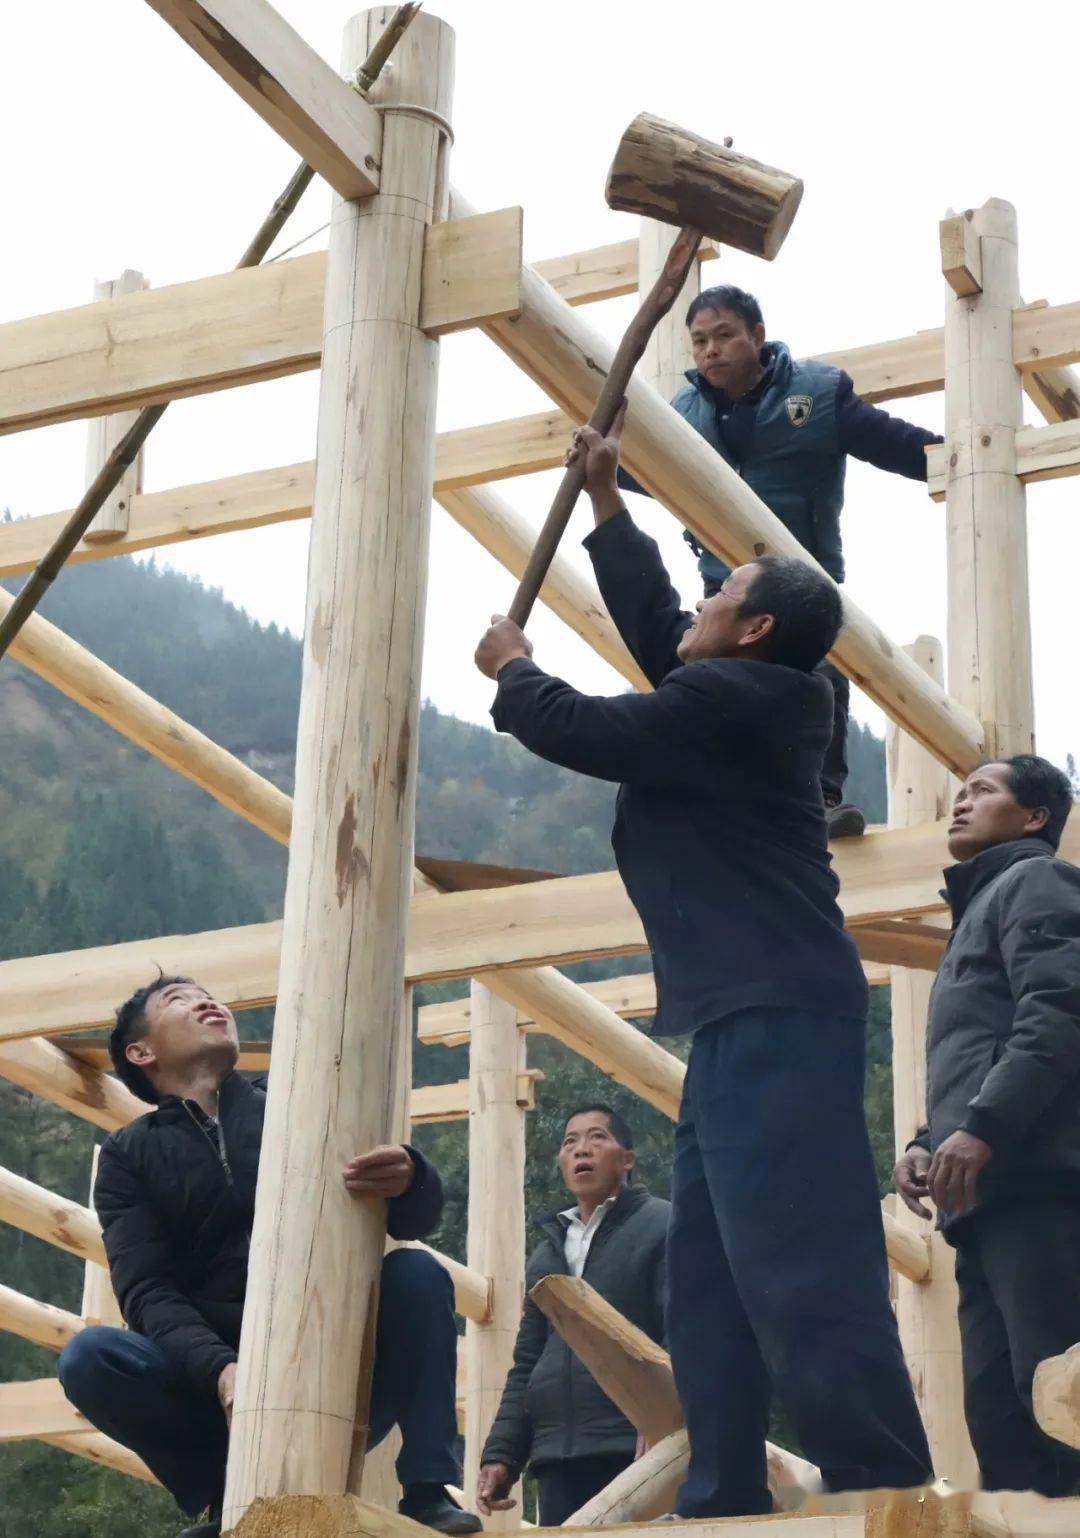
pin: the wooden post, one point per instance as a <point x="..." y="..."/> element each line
<point x="104" y="433"/>
<point x="989" y="612"/>
<point x="99" y="1305"/>
<point x="925" y="1311"/>
<point x="316" y="1251"/>
<point x="668" y="354"/>
<point x="496" y="1244"/>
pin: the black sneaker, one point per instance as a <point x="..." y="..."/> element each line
<point x="845" y="820"/>
<point x="432" y="1507"/>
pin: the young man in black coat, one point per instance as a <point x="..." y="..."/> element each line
<point x="720" y="838"/>
<point x="175" y="1192"/>
<point x="553" y="1416"/>
<point x="1000" y="1154"/>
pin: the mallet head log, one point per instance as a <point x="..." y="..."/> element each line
<point x="665" y="172"/>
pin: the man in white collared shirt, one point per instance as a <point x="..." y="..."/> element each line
<point x="553" y="1415"/>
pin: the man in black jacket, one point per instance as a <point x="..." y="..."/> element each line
<point x="720" y="838"/>
<point x="787" y="426"/>
<point x="1000" y="1154"/>
<point x="553" y="1416"/>
<point x="175" y="1192"/>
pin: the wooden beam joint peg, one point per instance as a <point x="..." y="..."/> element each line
<point x="961" y="254"/>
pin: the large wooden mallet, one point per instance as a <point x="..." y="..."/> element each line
<point x="669" y="174"/>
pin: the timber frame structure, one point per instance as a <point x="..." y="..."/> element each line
<point x="409" y="260"/>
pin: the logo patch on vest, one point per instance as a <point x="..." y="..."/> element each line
<point x="798" y="408"/>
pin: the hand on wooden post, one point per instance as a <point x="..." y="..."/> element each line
<point x="226" y="1390"/>
<point x="386" y="1171"/>
<point x="909" y="1178"/>
<point x="493" y="1489"/>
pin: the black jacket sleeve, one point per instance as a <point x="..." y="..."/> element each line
<point x="637" y="590"/>
<point x="1039" y="938"/>
<point x="417" y="1213"/>
<point x="142" y="1266"/>
<point x="624" y="737"/>
<point x="511" y="1435"/>
<point x="888" y="442"/>
<point x="921" y="1138"/>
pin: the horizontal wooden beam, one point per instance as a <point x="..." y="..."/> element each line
<point x="292" y="88"/>
<point x="472" y="1292"/>
<point x="37" y="1408"/>
<point x="101" y="1449"/>
<point x="604" y="272"/>
<point x="38" y="1322"/>
<point x="59" y="1221"/>
<point x="1056" y="1396"/>
<point x="471" y="271"/>
<point x="1042" y="454"/>
<point x="46" y="1070"/>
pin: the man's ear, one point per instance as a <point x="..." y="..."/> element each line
<point x="629" y="1159"/>
<point x="1037" y="818"/>
<point x="141" y="1053"/>
<point x="758" y="630"/>
<point x="757" y="336"/>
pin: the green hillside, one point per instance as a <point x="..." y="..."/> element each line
<point x="99" y="844"/>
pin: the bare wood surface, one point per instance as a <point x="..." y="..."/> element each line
<point x="38" y="1322"/>
<point x="668" y="353"/>
<point x="667" y="173"/>
<point x="65" y="1224"/>
<point x="989" y="636"/>
<point x="633" y="1371"/>
<point x="656" y="304"/>
<point x="37" y="1407"/>
<point x="99" y="1305"/>
<point x="1042" y="454"/>
<point x="290" y="86"/>
<point x="961" y="255"/>
<point x="45" y="1069"/>
<point x="1056" y="1396"/>
<point x="471" y="271"/>
<point x="300" y="1389"/>
<point x="98" y="1448"/>
<point x="104" y="433"/>
<point x="496" y="1220"/>
<point x="605" y="272"/>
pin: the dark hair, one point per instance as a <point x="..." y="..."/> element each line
<point x="1036" y="782"/>
<point x="131" y="1026"/>
<point x="725" y="296"/>
<point x="620" y="1127"/>
<point x="805" y="605"/>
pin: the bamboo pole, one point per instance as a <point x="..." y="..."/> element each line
<point x="989" y="634"/>
<point x="308" y="1332"/>
<point x="104" y="433"/>
<point x="496" y="1219"/>
<point x="925" y="1312"/>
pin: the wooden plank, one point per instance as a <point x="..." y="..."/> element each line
<point x="45" y="1069"/>
<point x="99" y="1448"/>
<point x="1042" y="454"/>
<point x="471" y="271"/>
<point x="292" y="88"/>
<point x="961" y="254"/>
<point x="60" y="1222"/>
<point x="37" y="1408"/>
<point x="605" y="272"/>
<point x="1046" y="338"/>
<point x="104" y="433"/>
<point x="38" y="1322"/>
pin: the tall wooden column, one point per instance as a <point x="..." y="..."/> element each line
<point x="99" y="1305"/>
<point x="989" y="631"/>
<point x="316" y="1251"/>
<point x="668" y="354"/>
<point x="104" y="433"/>
<point x="925" y="1311"/>
<point x="496" y="1219"/>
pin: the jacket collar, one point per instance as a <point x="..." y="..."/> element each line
<point x="232" y="1087"/>
<point x="777" y="360"/>
<point x="967" y="879"/>
<point x="629" y="1199"/>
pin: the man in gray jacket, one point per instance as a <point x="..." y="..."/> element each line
<point x="553" y="1416"/>
<point x="1000" y="1154"/>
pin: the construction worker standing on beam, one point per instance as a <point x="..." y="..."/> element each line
<point x="777" y="1275"/>
<point x="787" y="426"/>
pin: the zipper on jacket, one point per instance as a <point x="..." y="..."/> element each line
<point x="216" y="1143"/>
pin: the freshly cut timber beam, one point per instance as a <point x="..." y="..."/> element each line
<point x="46" y="1070"/>
<point x="961" y="254"/>
<point x="472" y="1292"/>
<point x="59" y="1221"/>
<point x="471" y="269"/>
<point x="901" y="943"/>
<point x="37" y="1408"/>
<point x="450" y="1102"/>
<point x="563" y="356"/>
<point x="104" y="433"/>
<point x="101" y="1449"/>
<point x="605" y="272"/>
<point x="80" y="675"/>
<point x="40" y="1322"/>
<point x="577" y="602"/>
<point x="1056" y="1396"/>
<point x="642" y="1492"/>
<point x="633" y="1371"/>
<point x="99" y="1301"/>
<point x="1042" y="454"/>
<point x="290" y="86"/>
<point x="909" y="1251"/>
<point x="572" y="1016"/>
<point x="302" y="1396"/>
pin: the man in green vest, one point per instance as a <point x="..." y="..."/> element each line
<point x="787" y="425"/>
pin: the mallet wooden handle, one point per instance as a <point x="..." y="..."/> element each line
<point x="653" y="308"/>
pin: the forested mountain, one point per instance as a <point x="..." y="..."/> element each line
<point x="99" y="844"/>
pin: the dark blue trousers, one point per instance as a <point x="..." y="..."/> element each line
<point x="776" y="1266"/>
<point x="129" y="1388"/>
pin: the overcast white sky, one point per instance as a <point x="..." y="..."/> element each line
<point x="124" y="150"/>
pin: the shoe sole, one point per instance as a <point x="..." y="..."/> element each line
<point x="847" y="825"/>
